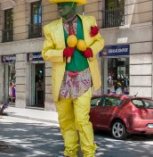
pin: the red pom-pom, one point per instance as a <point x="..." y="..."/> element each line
<point x="94" y="31"/>
<point x="88" y="53"/>
<point x="68" y="52"/>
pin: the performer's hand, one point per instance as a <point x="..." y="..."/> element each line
<point x="68" y="52"/>
<point x="88" y="53"/>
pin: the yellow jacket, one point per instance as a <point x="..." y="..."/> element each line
<point x="54" y="45"/>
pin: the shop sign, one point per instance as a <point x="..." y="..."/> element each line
<point x="115" y="50"/>
<point x="36" y="56"/>
<point x="8" y="58"/>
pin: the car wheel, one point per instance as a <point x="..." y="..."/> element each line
<point x="119" y="130"/>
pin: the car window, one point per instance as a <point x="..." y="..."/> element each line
<point x="95" y="101"/>
<point x="116" y="102"/>
<point x="148" y="103"/>
<point x="110" y="101"/>
<point x="138" y="102"/>
<point x="107" y="102"/>
<point x="145" y="103"/>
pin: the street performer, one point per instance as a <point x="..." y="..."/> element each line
<point x="71" y="45"/>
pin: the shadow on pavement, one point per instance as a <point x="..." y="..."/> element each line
<point x="134" y="145"/>
<point x="30" y="140"/>
<point x="41" y="140"/>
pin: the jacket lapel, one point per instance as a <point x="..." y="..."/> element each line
<point x="86" y="28"/>
<point x="59" y="35"/>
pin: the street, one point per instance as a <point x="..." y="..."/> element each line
<point x="24" y="137"/>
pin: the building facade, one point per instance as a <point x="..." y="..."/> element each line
<point x="125" y="62"/>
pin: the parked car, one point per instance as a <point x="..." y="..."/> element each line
<point x="122" y="115"/>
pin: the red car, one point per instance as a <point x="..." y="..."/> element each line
<point x="122" y="115"/>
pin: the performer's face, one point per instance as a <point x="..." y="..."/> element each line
<point x="66" y="8"/>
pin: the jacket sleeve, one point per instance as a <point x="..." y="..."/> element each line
<point x="98" y="43"/>
<point x="49" y="51"/>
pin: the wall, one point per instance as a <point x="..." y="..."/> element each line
<point x="137" y="31"/>
<point x="21" y="92"/>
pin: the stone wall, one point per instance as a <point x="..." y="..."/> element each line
<point x="21" y="91"/>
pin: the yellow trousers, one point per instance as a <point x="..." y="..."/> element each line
<point x="73" y="116"/>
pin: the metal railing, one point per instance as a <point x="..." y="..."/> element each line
<point x="113" y="17"/>
<point x="35" y="30"/>
<point x="7" y="35"/>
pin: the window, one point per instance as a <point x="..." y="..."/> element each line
<point x="118" y="75"/>
<point x="112" y="4"/>
<point x="35" y="28"/>
<point x="113" y="15"/>
<point x="110" y="101"/>
<point x="8" y="25"/>
<point x="12" y="81"/>
<point x="137" y="103"/>
<point x="148" y="103"/>
<point x="143" y="103"/>
<point x="97" y="101"/>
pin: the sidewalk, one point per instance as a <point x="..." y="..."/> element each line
<point x="33" y="114"/>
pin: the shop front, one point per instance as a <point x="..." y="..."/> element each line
<point x="115" y="63"/>
<point x="9" y="78"/>
<point x="36" y="79"/>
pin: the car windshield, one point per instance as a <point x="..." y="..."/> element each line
<point x="143" y="103"/>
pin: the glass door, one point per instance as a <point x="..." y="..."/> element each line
<point x="116" y="75"/>
<point x="37" y="85"/>
<point x="9" y="83"/>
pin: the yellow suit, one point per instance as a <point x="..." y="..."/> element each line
<point x="73" y="114"/>
<point x="53" y="51"/>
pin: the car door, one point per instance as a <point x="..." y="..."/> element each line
<point x="96" y="107"/>
<point x="110" y="105"/>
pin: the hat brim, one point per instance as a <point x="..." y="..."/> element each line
<point x="80" y="2"/>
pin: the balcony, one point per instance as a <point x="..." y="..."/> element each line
<point x="7" y="35"/>
<point x="35" y="30"/>
<point x="113" y="17"/>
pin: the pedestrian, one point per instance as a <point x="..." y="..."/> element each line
<point x="71" y="45"/>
